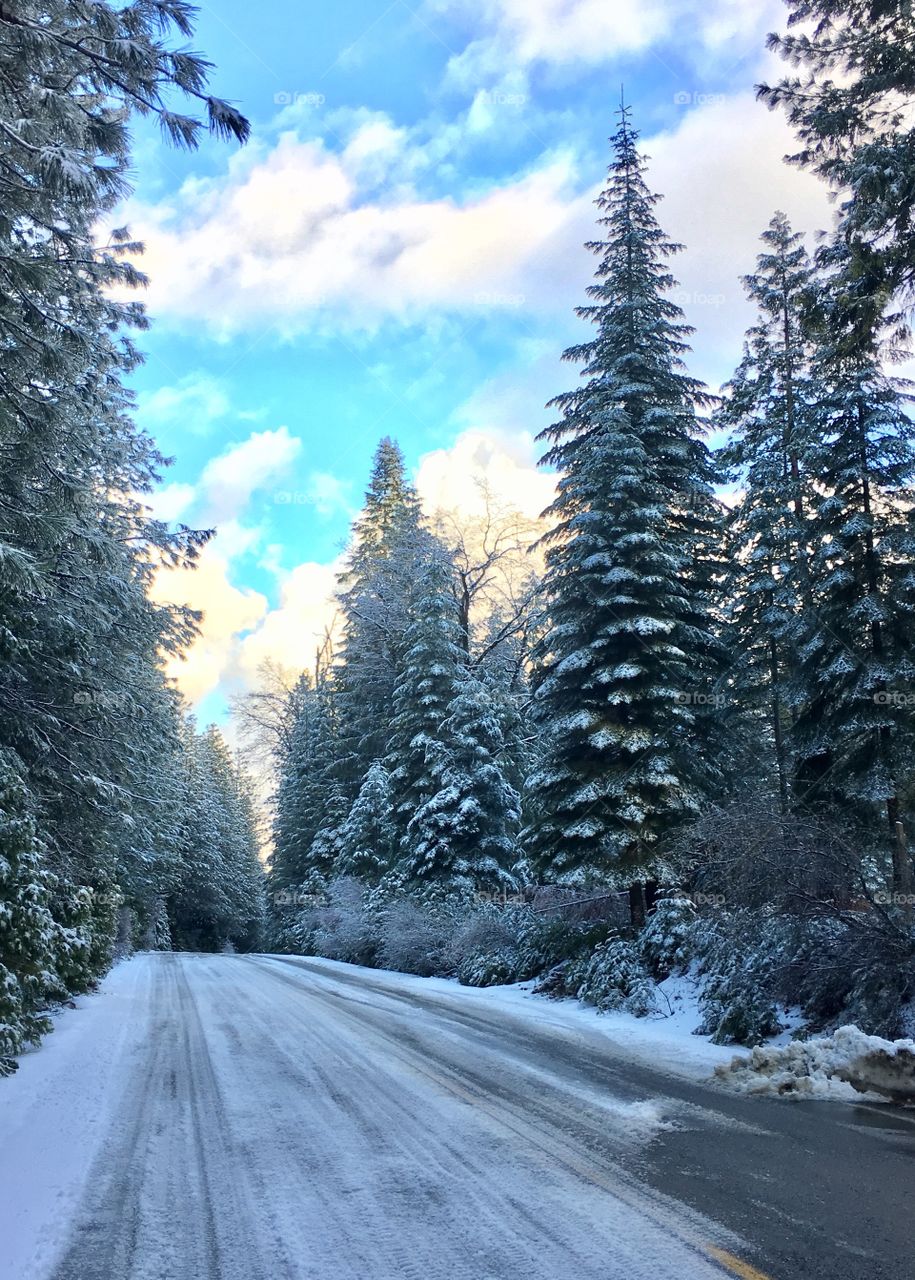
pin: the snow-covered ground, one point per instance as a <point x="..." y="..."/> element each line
<point x="666" y="1040"/>
<point x="234" y="1118"/>
<point x="282" y="1118"/>
<point x="56" y="1111"/>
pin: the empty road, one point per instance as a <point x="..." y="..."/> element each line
<point x="267" y="1118"/>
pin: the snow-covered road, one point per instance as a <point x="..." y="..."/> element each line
<point x="243" y="1118"/>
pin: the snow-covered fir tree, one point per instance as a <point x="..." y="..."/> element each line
<point x="386" y="542"/>
<point x="769" y="415"/>
<point x="851" y="106"/>
<point x="367" y="837"/>
<point x="85" y="711"/>
<point x="28" y="934"/>
<point x="626" y="666"/>
<point x="308" y="795"/>
<point x="855" y="723"/>
<point x="425" y="686"/>
<point x="464" y="837"/>
<point x="218" y="901"/>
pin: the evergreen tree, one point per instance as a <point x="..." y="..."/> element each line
<point x="854" y="729"/>
<point x="464" y="837"/>
<point x="387" y="542"/>
<point x="770" y="417"/>
<point x="219" y="898"/>
<point x="625" y="664"/>
<point x="28" y="941"/>
<point x="366" y="837"/>
<point x="84" y="707"/>
<point x="852" y="108"/>
<point x="425" y="687"/>
<point x="310" y="803"/>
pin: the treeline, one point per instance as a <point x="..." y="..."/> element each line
<point x="682" y="656"/>
<point x="113" y="814"/>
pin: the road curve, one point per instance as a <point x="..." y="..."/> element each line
<point x="284" y="1119"/>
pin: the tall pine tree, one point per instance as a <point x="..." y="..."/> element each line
<point x="625" y="666"/>
<point x="770" y="417"/>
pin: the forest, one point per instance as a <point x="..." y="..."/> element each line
<point x="688" y="689"/>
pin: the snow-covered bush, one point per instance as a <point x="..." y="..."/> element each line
<point x="847" y="967"/>
<point x="343" y="929"/>
<point x="734" y="953"/>
<point x="736" y="1010"/>
<point x="615" y="978"/>
<point x="489" y="968"/>
<point x="486" y="949"/>
<point x="415" y="937"/>
<point x="548" y="941"/>
<point x="667" y="943"/>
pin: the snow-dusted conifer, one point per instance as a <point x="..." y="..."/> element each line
<point x="464" y="837"/>
<point x="770" y="417"/>
<point x="855" y="726"/>
<point x="386" y="543"/>
<point x="425" y="686"/>
<point x="625" y="665"/>
<point x="366" y="838"/>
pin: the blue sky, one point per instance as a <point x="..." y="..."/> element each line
<point x="398" y="251"/>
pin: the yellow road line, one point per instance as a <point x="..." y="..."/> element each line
<point x="734" y="1264"/>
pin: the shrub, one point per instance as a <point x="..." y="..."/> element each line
<point x="486" y="948"/>
<point x="615" y="978"/>
<point x="667" y="943"/>
<point x="415" y="938"/>
<point x="343" y="929"/>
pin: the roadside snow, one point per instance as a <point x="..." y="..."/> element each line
<point x="827" y="1066"/>
<point x="55" y="1111"/>
<point x="663" y="1042"/>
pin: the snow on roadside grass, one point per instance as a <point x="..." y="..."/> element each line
<point x="826" y="1066"/>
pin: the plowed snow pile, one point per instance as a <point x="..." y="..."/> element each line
<point x="868" y="1063"/>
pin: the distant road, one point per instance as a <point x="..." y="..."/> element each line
<point x="267" y="1118"/>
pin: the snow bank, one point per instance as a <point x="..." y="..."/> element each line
<point x="868" y="1064"/>
<point x="55" y="1113"/>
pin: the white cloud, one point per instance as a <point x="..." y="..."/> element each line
<point x="482" y="462"/>
<point x="171" y="502"/>
<point x="292" y="239"/>
<point x="328" y="494"/>
<point x="518" y="34"/>
<point x="292" y="633"/>
<point x="229" y="480"/>
<point x="723" y="176"/>
<point x="194" y="403"/>
<point x="229" y="612"/>
<point x="291" y="235"/>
